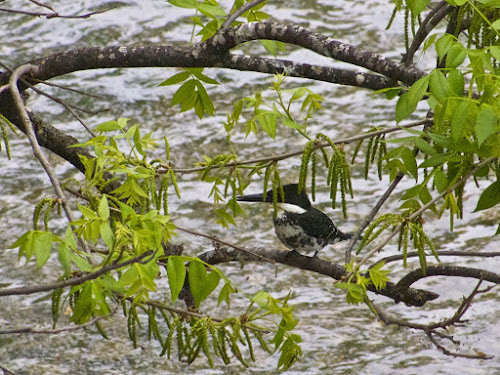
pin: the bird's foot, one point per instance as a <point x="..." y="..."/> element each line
<point x="292" y="253"/>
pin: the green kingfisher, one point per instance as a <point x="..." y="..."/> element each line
<point x="298" y="225"/>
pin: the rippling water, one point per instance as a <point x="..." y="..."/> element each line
<point x="338" y="338"/>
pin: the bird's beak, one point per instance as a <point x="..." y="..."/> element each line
<point x="255" y="198"/>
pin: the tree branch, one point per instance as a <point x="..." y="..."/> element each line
<point x="431" y="328"/>
<point x="238" y="12"/>
<point x="288" y="155"/>
<point x="372" y="214"/>
<point x="425" y="207"/>
<point x="414" y="254"/>
<point x="55" y="331"/>
<point x="445" y="270"/>
<point x="410" y="296"/>
<point x="428" y="24"/>
<point x="77" y="280"/>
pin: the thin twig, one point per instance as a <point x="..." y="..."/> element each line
<point x="372" y="214"/>
<point x="414" y="254"/>
<point x="318" y="145"/>
<point x="68" y="107"/>
<point x="40" y="4"/>
<point x="238" y="12"/>
<point x="193" y="314"/>
<point x="425" y="207"/>
<point x="430" y="21"/>
<point x="215" y="239"/>
<point x="55" y="331"/>
<point x="67" y="88"/>
<point x="77" y="280"/>
<point x="430" y="328"/>
<point x="30" y="132"/>
<point x="54" y="14"/>
<point x="6" y="371"/>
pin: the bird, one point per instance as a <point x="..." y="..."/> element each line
<point x="298" y="225"/>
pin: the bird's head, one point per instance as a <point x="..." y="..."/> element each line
<point x="291" y="196"/>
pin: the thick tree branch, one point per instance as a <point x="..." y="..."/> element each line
<point x="213" y="52"/>
<point x="410" y="296"/>
<point x="224" y="40"/>
<point x="445" y="270"/>
<point x="302" y="70"/>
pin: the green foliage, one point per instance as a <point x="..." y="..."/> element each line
<point x="357" y="282"/>
<point x="192" y="93"/>
<point x="50" y="203"/>
<point x="4" y="123"/>
<point x="127" y="190"/>
<point x="376" y="149"/>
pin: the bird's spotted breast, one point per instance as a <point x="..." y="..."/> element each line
<point x="293" y="236"/>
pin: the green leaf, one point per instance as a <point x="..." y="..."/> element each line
<point x="410" y="204"/>
<point x="425" y="197"/>
<point x="83" y="306"/>
<point x="25" y="244"/>
<point x="440" y="180"/>
<point x="486" y="124"/>
<point x="225" y="293"/>
<point x="190" y="4"/>
<point x="201" y="284"/>
<point x="42" y="248"/>
<point x="292" y="124"/>
<point x="355" y="292"/>
<point x="267" y="122"/>
<point x="225" y="217"/>
<point x="69" y="238"/>
<point x="176" y="271"/>
<point x="103" y="209"/>
<point x="184" y="93"/>
<point x="496" y="25"/>
<point x="490" y="197"/>
<point x="379" y="276"/>
<point x="456" y="82"/>
<point x="410" y="162"/>
<point x="81" y="263"/>
<point x="443" y="45"/>
<point x="435" y="161"/>
<point x="178" y="78"/>
<point x="424" y="146"/>
<point x="456" y="56"/>
<point x="438" y="85"/>
<point x="262" y="299"/>
<point x="108" y="126"/>
<point x="212" y="11"/>
<point x="87" y="212"/>
<point x="107" y="234"/>
<point x="208" y="106"/>
<point x="270" y="47"/>
<point x="64" y="255"/>
<point x="407" y="102"/>
<point x="458" y="119"/>
<point x="197" y="72"/>
<point x="417" y="6"/>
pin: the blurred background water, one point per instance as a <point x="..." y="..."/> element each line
<point x="337" y="338"/>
